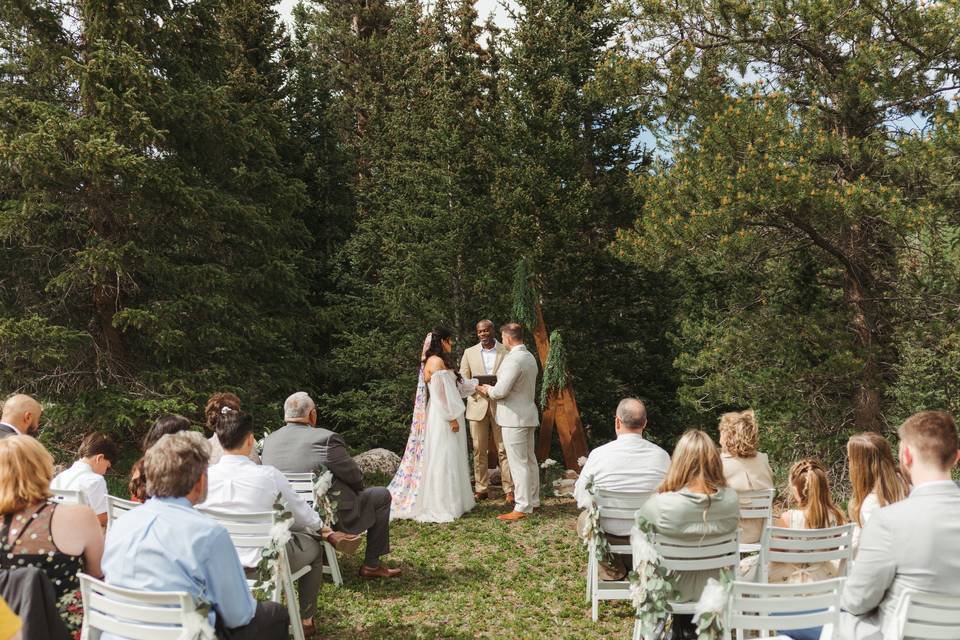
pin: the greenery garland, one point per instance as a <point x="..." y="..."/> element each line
<point x="555" y="370"/>
<point x="267" y="569"/>
<point x="651" y="588"/>
<point x="712" y="605"/>
<point x="595" y="535"/>
<point x="524" y="295"/>
<point x="322" y="502"/>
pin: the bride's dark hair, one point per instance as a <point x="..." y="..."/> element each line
<point x="437" y="336"/>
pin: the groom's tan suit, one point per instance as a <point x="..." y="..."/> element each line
<point x="481" y="415"/>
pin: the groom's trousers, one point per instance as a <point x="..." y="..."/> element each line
<point x="520" y="445"/>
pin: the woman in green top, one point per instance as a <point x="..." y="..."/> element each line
<point x="693" y="502"/>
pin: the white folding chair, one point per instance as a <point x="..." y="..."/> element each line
<point x="621" y="505"/>
<point x="755" y="505"/>
<point x="133" y="614"/>
<point x="694" y="554"/>
<point x="116" y="507"/>
<point x="68" y="496"/>
<point x="302" y="483"/>
<point x="805" y="546"/>
<point x="252" y="531"/>
<point x="765" y="608"/>
<point x="928" y="616"/>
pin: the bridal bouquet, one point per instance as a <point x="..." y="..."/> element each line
<point x="322" y="501"/>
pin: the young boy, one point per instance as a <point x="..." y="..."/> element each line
<point x="96" y="455"/>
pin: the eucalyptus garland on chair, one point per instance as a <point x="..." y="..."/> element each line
<point x="651" y="588"/>
<point x="322" y="503"/>
<point x="712" y="606"/>
<point x="595" y="535"/>
<point x="267" y="568"/>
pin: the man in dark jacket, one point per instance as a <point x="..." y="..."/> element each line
<point x="301" y="447"/>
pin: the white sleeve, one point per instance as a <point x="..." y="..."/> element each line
<point x="96" y="492"/>
<point x="304" y="515"/>
<point x="447" y="398"/>
<point x="507" y="376"/>
<point x="580" y="488"/>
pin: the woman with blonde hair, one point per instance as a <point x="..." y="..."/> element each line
<point x="745" y="468"/>
<point x="873" y="477"/>
<point x="693" y="502"/>
<point x="810" y="492"/>
<point x="59" y="539"/>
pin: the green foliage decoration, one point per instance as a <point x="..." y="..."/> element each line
<point x="524" y="295"/>
<point x="555" y="370"/>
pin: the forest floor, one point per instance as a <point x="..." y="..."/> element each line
<point x="476" y="577"/>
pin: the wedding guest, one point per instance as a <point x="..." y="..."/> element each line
<point x="217" y="405"/>
<point x="693" y="502"/>
<point x="238" y="485"/>
<point x="166" y="545"/>
<point x="20" y="416"/>
<point x="810" y="492"/>
<point x="302" y="447"/>
<point x="873" y="477"/>
<point x="629" y="463"/>
<point x="96" y="455"/>
<point x="59" y="539"/>
<point x="168" y="423"/>
<point x="745" y="468"/>
<point x="911" y="545"/>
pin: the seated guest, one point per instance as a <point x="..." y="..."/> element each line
<point x="166" y="545"/>
<point x="693" y="502"/>
<point x="217" y="405"/>
<point x="238" y="485"/>
<point x="629" y="463"/>
<point x="873" y="477"/>
<point x="301" y="447"/>
<point x="911" y="545"/>
<point x="169" y="423"/>
<point x="59" y="539"/>
<point x="810" y="491"/>
<point x="96" y="455"/>
<point x="745" y="468"/>
<point x="20" y="416"/>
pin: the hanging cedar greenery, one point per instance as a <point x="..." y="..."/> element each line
<point x="524" y="297"/>
<point x="555" y="371"/>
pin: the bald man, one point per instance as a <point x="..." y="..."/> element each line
<point x="21" y="416"/>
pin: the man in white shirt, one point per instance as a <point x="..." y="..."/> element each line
<point x="911" y="545"/>
<point x="96" y="455"/>
<point x="239" y="485"/>
<point x="21" y="416"/>
<point x="629" y="463"/>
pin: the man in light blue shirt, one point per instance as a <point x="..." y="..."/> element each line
<point x="166" y="545"/>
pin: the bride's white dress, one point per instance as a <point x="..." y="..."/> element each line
<point x="444" y="492"/>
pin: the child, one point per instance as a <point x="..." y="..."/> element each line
<point x="96" y="455"/>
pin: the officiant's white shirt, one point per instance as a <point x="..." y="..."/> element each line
<point x="489" y="357"/>
<point x="238" y="485"/>
<point x="629" y="463"/>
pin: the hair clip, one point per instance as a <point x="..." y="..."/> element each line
<point x="225" y="410"/>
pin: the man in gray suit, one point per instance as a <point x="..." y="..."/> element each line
<point x="517" y="415"/>
<point x="911" y="545"/>
<point x="300" y="447"/>
<point x="21" y="416"/>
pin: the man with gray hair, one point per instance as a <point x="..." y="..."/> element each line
<point x="166" y="545"/>
<point x="629" y="463"/>
<point x="302" y="447"/>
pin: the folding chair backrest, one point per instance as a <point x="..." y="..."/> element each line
<point x="808" y="545"/>
<point x="699" y="553"/>
<point x="929" y="616"/>
<point x="116" y="507"/>
<point x="302" y="483"/>
<point x="247" y="530"/>
<point x="133" y="614"/>
<point x="68" y="496"/>
<point x="622" y="505"/>
<point x="782" y="607"/>
<point x="756" y="504"/>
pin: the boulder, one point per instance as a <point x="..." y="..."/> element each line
<point x="378" y="461"/>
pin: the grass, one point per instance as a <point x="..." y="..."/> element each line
<point x="475" y="578"/>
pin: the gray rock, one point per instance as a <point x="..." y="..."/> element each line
<point x="378" y="461"/>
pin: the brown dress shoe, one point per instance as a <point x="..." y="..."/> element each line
<point x="513" y="516"/>
<point x="344" y="542"/>
<point x="379" y="572"/>
<point x="481" y="495"/>
<point x="508" y="498"/>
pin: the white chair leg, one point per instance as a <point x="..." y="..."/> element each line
<point x="293" y="608"/>
<point x="331" y="557"/>
<point x="590" y="582"/>
<point x="595" y="607"/>
<point x="636" y="630"/>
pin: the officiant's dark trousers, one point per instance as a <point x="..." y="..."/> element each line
<point x="378" y="536"/>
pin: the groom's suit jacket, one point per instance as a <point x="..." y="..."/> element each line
<point x="471" y="365"/>
<point x="300" y="448"/>
<point x="516" y="390"/>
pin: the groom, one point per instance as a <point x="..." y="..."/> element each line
<point x="518" y="418"/>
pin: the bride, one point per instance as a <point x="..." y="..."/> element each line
<point x="433" y="481"/>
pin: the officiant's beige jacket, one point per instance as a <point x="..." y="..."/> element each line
<point x="471" y="365"/>
<point x="516" y="390"/>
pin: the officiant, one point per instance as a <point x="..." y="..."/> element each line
<point x="482" y="360"/>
